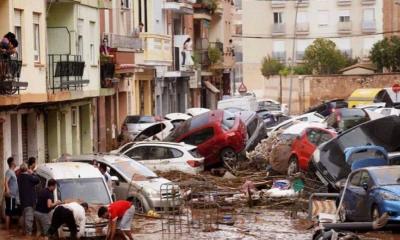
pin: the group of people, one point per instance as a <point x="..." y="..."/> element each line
<point x="23" y="201"/>
<point x="8" y="45"/>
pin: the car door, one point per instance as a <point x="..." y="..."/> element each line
<point x="363" y="196"/>
<point x="157" y="158"/>
<point x="353" y="199"/>
<point x="121" y="187"/>
<point x="307" y="146"/>
<point x="169" y="159"/>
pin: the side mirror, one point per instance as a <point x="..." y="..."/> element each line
<point x="365" y="186"/>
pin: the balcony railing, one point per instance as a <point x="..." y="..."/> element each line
<point x="157" y="49"/>
<point x="302" y="3"/>
<point x="278" y="29"/>
<point x="368" y="26"/>
<point x="179" y="6"/>
<point x="278" y="3"/>
<point x="107" y="71"/>
<point x="10" y="71"/>
<point x="201" y="53"/>
<point x="344" y="27"/>
<point x="343" y="2"/>
<point x="65" y="72"/>
<point x="124" y="42"/>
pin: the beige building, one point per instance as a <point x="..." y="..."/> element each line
<point x="269" y="29"/>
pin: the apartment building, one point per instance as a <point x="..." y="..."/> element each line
<point x="238" y="45"/>
<point x="353" y="25"/>
<point x="391" y="17"/>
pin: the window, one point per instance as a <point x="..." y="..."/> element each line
<point x="344" y="45"/>
<point x="344" y="16"/>
<point x="114" y="173"/>
<point x="302" y="17"/>
<point x="18" y="30"/>
<point x="313" y="136"/>
<point x="92" y="39"/>
<point x="163" y="153"/>
<point x="323" y="18"/>
<point x="138" y="153"/>
<point x="278" y="17"/>
<point x="125" y="4"/>
<point x="80" y="37"/>
<point x="36" y="37"/>
<point x="199" y="137"/>
<point x="355" y="180"/>
<point x="126" y="147"/>
<point x="368" y="15"/>
<point x="228" y="120"/>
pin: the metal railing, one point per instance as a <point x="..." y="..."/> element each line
<point x="302" y="27"/>
<point x="343" y="2"/>
<point x="278" y="3"/>
<point x="65" y="72"/>
<point x="124" y="41"/>
<point x="344" y="26"/>
<point x="107" y="71"/>
<point x="10" y="71"/>
<point x="367" y="2"/>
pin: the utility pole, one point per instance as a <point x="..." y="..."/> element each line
<point x="293" y="56"/>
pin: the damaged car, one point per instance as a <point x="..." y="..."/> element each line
<point x="255" y="127"/>
<point x="219" y="136"/>
<point x="329" y="162"/>
<point x="155" y="132"/>
<point x="134" y="182"/>
<point x="78" y="182"/>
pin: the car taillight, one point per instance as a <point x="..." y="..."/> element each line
<point x="230" y="134"/>
<point x="193" y="163"/>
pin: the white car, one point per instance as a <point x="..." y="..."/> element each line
<point x="165" y="156"/>
<point x="78" y="181"/>
<point x="177" y="118"/>
<point x="156" y="132"/>
<point x="308" y="117"/>
<point x="134" y="182"/>
<point x="134" y="124"/>
<point x="388" y="111"/>
<point x="196" y="111"/>
<point x="272" y="105"/>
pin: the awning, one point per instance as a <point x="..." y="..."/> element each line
<point x="211" y="87"/>
<point x="176" y="74"/>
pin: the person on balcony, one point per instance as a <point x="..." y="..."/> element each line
<point x="136" y="32"/>
<point x="187" y="53"/>
<point x="8" y="46"/>
<point x="104" y="48"/>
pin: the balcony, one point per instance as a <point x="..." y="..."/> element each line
<point x="10" y="71"/>
<point x="278" y="3"/>
<point x="201" y="53"/>
<point x="157" y="49"/>
<point x="343" y="2"/>
<point x="367" y="2"/>
<point x="300" y="56"/>
<point x="202" y="10"/>
<point x="344" y="27"/>
<point x="107" y="71"/>
<point x="278" y="29"/>
<point x="124" y="42"/>
<point x="280" y="56"/>
<point x="65" y="72"/>
<point x="368" y="26"/>
<point x="179" y="6"/>
<point x="303" y="3"/>
<point x="302" y="28"/>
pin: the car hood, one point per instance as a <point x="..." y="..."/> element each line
<point x="152" y="184"/>
<point x="391" y="188"/>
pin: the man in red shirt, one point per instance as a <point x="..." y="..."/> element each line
<point x="120" y="217"/>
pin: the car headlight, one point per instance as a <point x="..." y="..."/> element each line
<point x="316" y="155"/>
<point x="389" y="196"/>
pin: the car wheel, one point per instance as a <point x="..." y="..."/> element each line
<point x="293" y="166"/>
<point x="375" y="213"/>
<point x="140" y="203"/>
<point x="230" y="159"/>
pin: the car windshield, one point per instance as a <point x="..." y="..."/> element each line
<point x="228" y="121"/>
<point x="90" y="190"/>
<point x="188" y="125"/>
<point x="134" y="170"/>
<point x="140" y="119"/>
<point x="386" y="176"/>
<point x="270" y="106"/>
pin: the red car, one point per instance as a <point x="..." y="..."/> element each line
<point x="308" y="137"/>
<point x="219" y="136"/>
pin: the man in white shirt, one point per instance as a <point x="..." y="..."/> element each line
<point x="71" y="214"/>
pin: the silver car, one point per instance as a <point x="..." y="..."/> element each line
<point x="135" y="124"/>
<point x="135" y="182"/>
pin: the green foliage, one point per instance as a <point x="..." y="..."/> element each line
<point x="270" y="66"/>
<point x="322" y="57"/>
<point x="385" y="54"/>
<point x="196" y="58"/>
<point x="214" y="54"/>
<point x="284" y="72"/>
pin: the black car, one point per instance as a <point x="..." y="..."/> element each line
<point x="256" y="130"/>
<point x="328" y="160"/>
<point x="326" y="108"/>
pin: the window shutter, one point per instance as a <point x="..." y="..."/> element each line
<point x="36" y="18"/>
<point x="18" y="18"/>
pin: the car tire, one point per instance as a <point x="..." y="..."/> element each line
<point x="375" y="213"/>
<point x="293" y="166"/>
<point x="230" y="159"/>
<point x="141" y="204"/>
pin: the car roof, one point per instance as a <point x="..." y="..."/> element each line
<point x="68" y="170"/>
<point x="165" y="144"/>
<point x="298" y="128"/>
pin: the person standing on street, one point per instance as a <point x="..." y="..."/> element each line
<point x="27" y="182"/>
<point x="70" y="214"/>
<point x="120" y="217"/>
<point x="107" y="177"/>
<point x="11" y="192"/>
<point x="45" y="203"/>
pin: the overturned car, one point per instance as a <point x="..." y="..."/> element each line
<point x="329" y="161"/>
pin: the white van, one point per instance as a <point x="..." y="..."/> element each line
<point x="239" y="103"/>
<point x="78" y="182"/>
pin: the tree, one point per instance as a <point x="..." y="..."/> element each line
<point x="385" y="54"/>
<point x="270" y="66"/>
<point x="284" y="72"/>
<point x="214" y="54"/>
<point x="322" y="57"/>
